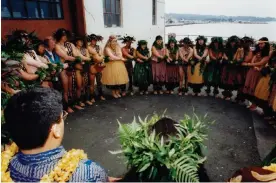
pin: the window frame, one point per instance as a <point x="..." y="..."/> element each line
<point x="39" y="10"/>
<point x="154" y="12"/>
<point x="113" y="14"/>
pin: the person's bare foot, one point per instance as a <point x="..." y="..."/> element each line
<point x="82" y="104"/>
<point x="141" y="93"/>
<point x="155" y="93"/>
<point x="167" y="92"/>
<point x="124" y="94"/>
<point x="161" y="92"/>
<point x="78" y="107"/>
<point x="70" y="110"/>
<point x="171" y="92"/>
<point x="180" y="93"/>
<point x="89" y="102"/>
<point x="93" y="100"/>
<point x="102" y="98"/>
<point x="199" y="95"/>
<point x="228" y="98"/>
<point x="146" y="92"/>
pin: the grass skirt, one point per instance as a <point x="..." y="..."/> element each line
<point x="115" y="73"/>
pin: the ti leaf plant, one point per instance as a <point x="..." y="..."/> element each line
<point x="147" y="151"/>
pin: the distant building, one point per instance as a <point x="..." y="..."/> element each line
<point x="143" y="19"/>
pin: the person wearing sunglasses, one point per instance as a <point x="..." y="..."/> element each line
<point x="35" y="120"/>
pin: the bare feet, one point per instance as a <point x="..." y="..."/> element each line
<point x="70" y="110"/>
<point x="228" y="98"/>
<point x="89" y="102"/>
<point x="102" y="98"/>
<point x="124" y="94"/>
<point x="78" y="107"/>
<point x="82" y="104"/>
<point x="93" y="101"/>
<point x="161" y="92"/>
<point x="141" y="93"/>
<point x="171" y="92"/>
<point x="155" y="93"/>
<point x="180" y="93"/>
<point x="167" y="92"/>
<point x="146" y="92"/>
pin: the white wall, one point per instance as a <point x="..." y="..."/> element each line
<point x="136" y="19"/>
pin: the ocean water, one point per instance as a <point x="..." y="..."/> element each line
<point x="225" y="30"/>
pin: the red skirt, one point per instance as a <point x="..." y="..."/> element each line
<point x="252" y="78"/>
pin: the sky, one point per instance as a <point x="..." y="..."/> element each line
<point x="260" y="8"/>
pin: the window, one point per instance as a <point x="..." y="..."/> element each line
<point x="31" y="9"/>
<point x="112" y="13"/>
<point x="153" y="12"/>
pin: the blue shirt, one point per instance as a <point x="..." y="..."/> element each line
<point x="31" y="168"/>
<point x="53" y="57"/>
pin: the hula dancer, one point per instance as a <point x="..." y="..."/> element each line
<point x="142" y="69"/>
<point x="185" y="54"/>
<point x="196" y="66"/>
<point x="66" y="56"/>
<point x="265" y="86"/>
<point x="212" y="72"/>
<point x="83" y="84"/>
<point x="229" y="79"/>
<point x="96" y="67"/>
<point x="172" y="67"/>
<point x="158" y="65"/>
<point x="246" y="44"/>
<point x="129" y="55"/>
<point x="115" y="73"/>
<point x="253" y="76"/>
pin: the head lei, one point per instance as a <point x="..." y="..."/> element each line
<point x="247" y="40"/>
<point x="94" y="37"/>
<point x="144" y="52"/>
<point x="186" y="41"/>
<point x="171" y="38"/>
<point x="201" y="38"/>
<point x="15" y="44"/>
<point x="235" y="39"/>
<point x="159" y="47"/>
<point x="160" y="155"/>
<point x="126" y="39"/>
<point x="142" y="42"/>
<point x="62" y="32"/>
<point x="217" y="40"/>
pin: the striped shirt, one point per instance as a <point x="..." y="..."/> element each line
<point x="31" y="168"/>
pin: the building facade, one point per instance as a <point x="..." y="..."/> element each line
<point x="42" y="16"/>
<point x="144" y="19"/>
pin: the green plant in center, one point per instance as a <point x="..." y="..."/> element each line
<point x="150" y="153"/>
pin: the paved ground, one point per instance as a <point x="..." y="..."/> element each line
<point x="231" y="145"/>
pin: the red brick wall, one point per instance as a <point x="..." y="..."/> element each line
<point x="43" y="28"/>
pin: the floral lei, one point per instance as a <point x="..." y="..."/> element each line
<point x="61" y="173"/>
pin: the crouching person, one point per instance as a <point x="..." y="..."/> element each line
<point x="35" y="120"/>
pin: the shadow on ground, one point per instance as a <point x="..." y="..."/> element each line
<point x="231" y="141"/>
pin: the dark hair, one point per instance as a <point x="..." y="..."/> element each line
<point x="30" y="114"/>
<point x="80" y="38"/>
<point x="220" y="45"/>
<point x="37" y="47"/>
<point x="155" y="42"/>
<point x="165" y="127"/>
<point x="265" y="51"/>
<point x="60" y="33"/>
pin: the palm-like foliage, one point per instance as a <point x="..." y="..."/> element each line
<point x="147" y="151"/>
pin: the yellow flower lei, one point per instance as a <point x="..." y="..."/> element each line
<point x="61" y="173"/>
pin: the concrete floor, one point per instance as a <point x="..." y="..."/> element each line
<point x="231" y="140"/>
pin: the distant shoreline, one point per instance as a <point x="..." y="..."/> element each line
<point x="181" y="24"/>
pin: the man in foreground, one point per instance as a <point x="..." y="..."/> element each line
<point x="35" y="120"/>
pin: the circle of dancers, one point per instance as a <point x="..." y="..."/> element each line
<point x="79" y="67"/>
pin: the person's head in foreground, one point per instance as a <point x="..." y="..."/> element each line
<point x="35" y="120"/>
<point x="154" y="149"/>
